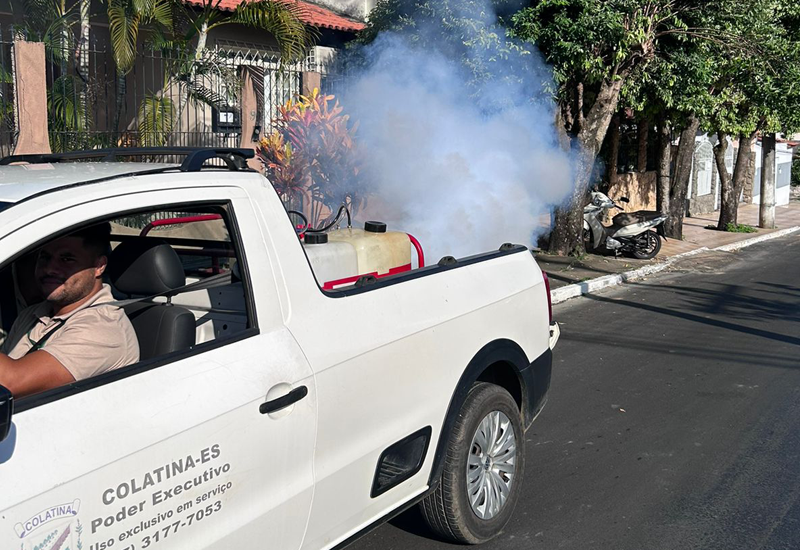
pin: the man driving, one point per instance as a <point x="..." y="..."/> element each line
<point x="70" y="335"/>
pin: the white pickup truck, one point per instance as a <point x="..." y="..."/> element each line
<point x="286" y="415"/>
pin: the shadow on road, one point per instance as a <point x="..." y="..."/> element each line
<point x="743" y="356"/>
<point x="411" y="521"/>
<point x="741" y="302"/>
<point x="718" y="302"/>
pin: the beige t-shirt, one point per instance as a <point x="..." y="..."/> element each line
<point x="92" y="339"/>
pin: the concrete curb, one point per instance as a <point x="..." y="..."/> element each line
<point x="564" y="293"/>
<point x="760" y="238"/>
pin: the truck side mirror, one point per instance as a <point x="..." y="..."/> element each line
<point x="6" y="409"/>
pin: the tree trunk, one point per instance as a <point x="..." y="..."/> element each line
<point x="729" y="200"/>
<point x="729" y="207"/>
<point x="743" y="177"/>
<point x="83" y="43"/>
<point x="680" y="179"/>
<point x="613" y="149"/>
<point x="122" y="92"/>
<point x="643" y="133"/>
<point x="568" y="226"/>
<point x="567" y="235"/>
<point x="663" y="168"/>
<point x="766" y="210"/>
<point x="202" y="38"/>
<point x="564" y="139"/>
<point x="83" y="60"/>
<point x="750" y="178"/>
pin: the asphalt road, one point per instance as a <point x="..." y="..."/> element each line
<point x="673" y="420"/>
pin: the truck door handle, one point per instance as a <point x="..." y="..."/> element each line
<point x="283" y="401"/>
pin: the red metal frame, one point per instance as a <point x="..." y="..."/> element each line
<point x="176" y="221"/>
<point x="331" y="285"/>
<point x="418" y="247"/>
<point x="215" y="269"/>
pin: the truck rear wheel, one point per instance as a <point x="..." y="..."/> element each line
<point x="483" y="469"/>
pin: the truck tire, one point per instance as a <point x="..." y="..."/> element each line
<point x="483" y="469"/>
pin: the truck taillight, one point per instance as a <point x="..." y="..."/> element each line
<point x="549" y="302"/>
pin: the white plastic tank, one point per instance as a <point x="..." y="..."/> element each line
<point x="330" y="261"/>
<point x="378" y="250"/>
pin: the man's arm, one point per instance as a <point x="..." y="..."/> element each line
<point x="33" y="373"/>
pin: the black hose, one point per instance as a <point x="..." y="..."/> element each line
<point x="338" y="217"/>
<point x="302" y="217"/>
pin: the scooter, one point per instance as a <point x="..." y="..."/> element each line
<point x="630" y="232"/>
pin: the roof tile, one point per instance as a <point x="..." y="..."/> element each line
<point x="310" y="14"/>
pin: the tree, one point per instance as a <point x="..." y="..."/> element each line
<point x="596" y="49"/>
<point x="473" y="32"/>
<point x="754" y="91"/>
<point x="673" y="90"/>
<point x="125" y="18"/>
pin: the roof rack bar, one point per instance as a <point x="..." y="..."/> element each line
<point x="235" y="159"/>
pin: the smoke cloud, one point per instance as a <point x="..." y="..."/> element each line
<point x="464" y="169"/>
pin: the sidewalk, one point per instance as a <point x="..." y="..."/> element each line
<point x="571" y="277"/>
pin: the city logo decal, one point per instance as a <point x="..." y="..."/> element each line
<point x="47" y="515"/>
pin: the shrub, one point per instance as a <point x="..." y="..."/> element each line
<point x="311" y="157"/>
<point x="740" y="228"/>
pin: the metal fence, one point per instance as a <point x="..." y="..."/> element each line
<point x="167" y="98"/>
<point x="7" y="124"/>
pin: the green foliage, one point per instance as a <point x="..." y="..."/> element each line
<point x="280" y="19"/>
<point x="156" y="120"/>
<point x="311" y="158"/>
<point x="586" y="39"/>
<point x="50" y="22"/>
<point x="796" y="170"/>
<point x="125" y="17"/>
<point x="459" y="29"/>
<point x="68" y="120"/>
<point x="740" y="228"/>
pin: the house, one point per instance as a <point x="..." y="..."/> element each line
<point x="704" y="183"/>
<point x="631" y="173"/>
<point x="90" y="105"/>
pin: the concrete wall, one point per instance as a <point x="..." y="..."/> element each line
<point x="783" y="170"/>
<point x="639" y="187"/>
<point x="357" y="9"/>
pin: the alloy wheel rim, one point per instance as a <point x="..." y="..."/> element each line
<point x="491" y="466"/>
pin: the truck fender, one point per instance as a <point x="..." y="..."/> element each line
<point x="497" y="351"/>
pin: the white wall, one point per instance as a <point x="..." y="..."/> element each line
<point x="783" y="170"/>
<point x="358" y="9"/>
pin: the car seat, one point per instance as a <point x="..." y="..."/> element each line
<point x="147" y="267"/>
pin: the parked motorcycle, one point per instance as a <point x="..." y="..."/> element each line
<point x="630" y="232"/>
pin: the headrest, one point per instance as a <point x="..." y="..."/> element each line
<point x="145" y="267"/>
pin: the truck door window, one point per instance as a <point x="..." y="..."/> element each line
<point x="201" y="297"/>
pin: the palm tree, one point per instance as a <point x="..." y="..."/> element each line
<point x="125" y="18"/>
<point x="190" y="61"/>
<point x="280" y="19"/>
